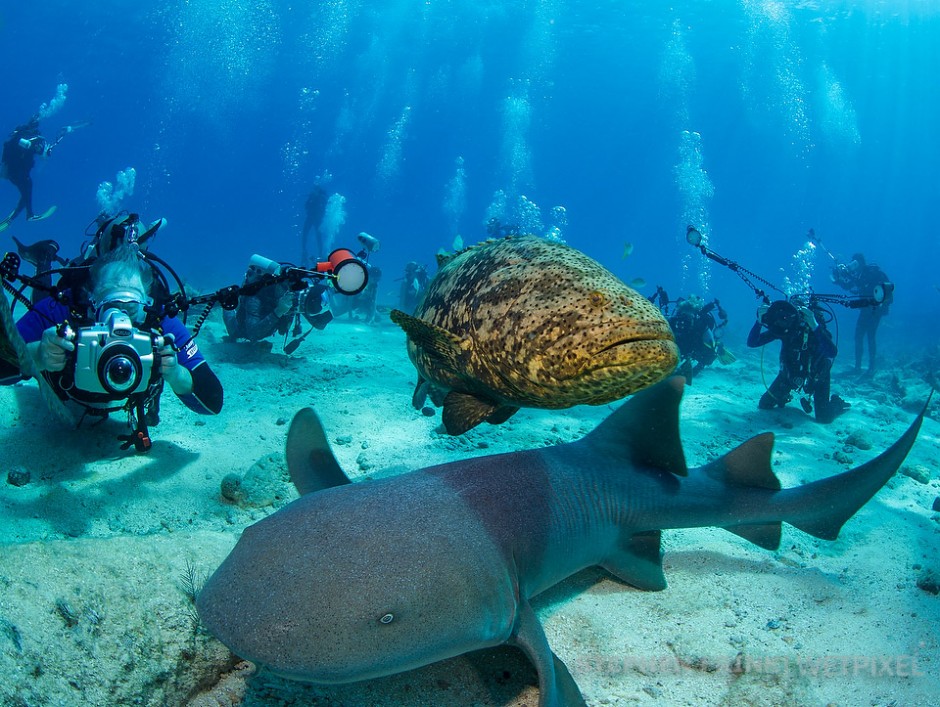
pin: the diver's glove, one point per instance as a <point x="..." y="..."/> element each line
<point x="178" y="377"/>
<point x="51" y="352"/>
<point x="809" y="318"/>
<point x="762" y="311"/>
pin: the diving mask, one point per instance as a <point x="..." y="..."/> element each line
<point x="131" y="302"/>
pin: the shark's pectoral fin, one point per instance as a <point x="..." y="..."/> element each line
<point x="556" y="686"/>
<point x="639" y="561"/>
<point x="310" y="460"/>
<point x="765" y="535"/>
<point x="463" y="412"/>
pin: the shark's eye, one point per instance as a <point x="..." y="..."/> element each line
<point x="597" y="299"/>
<point x="387" y="619"/>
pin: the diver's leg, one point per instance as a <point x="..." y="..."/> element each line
<point x="26" y="196"/>
<point x="872" y="346"/>
<point x="777" y="394"/>
<point x="860" y="326"/>
<point x="821" y="388"/>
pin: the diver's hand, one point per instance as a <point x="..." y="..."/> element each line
<point x="284" y="304"/>
<point x="51" y="352"/>
<point x="761" y="311"/>
<point x="809" y="318"/>
<point x="178" y="377"/>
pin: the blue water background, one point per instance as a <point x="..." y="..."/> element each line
<point x="796" y="115"/>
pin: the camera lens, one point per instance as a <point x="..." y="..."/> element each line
<point x="119" y="370"/>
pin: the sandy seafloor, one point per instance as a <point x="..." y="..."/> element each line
<point x="92" y="609"/>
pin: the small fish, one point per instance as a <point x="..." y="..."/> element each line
<point x="627" y="250"/>
<point x="638" y="283"/>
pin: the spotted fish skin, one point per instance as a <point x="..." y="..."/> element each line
<point x="528" y="322"/>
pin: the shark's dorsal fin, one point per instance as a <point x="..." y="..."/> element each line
<point x="748" y="464"/>
<point x="645" y="429"/>
<point x="639" y="561"/>
<point x="310" y="460"/>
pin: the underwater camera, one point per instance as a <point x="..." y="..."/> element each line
<point x="113" y="357"/>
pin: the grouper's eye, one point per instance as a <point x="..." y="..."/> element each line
<point x="597" y="299"/>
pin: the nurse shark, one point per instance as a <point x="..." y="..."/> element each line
<point x="356" y="581"/>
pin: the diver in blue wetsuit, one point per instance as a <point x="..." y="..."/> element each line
<point x="106" y="345"/>
<point x="806" y="355"/>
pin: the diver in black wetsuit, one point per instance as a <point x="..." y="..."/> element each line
<point x="806" y="355"/>
<point x="19" y="156"/>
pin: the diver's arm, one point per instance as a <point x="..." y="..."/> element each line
<point x="258" y="324"/>
<point x="198" y="388"/>
<point x="756" y="337"/>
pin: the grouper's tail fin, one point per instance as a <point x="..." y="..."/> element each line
<point x="829" y="503"/>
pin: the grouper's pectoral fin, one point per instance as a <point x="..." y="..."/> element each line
<point x="556" y="686"/>
<point x="310" y="460"/>
<point x="639" y="561"/>
<point x="433" y="340"/>
<point x="463" y="412"/>
<point x="420" y="395"/>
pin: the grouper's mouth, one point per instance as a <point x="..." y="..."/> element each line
<point x="635" y="352"/>
<point x="629" y="341"/>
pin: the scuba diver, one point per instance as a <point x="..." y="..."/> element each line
<point x="861" y="278"/>
<point x="106" y="338"/>
<point x="413" y="286"/>
<point x="696" y="332"/>
<point x="807" y="350"/>
<point x="272" y="308"/>
<point x="806" y="355"/>
<point x="495" y="229"/>
<point x="19" y="157"/>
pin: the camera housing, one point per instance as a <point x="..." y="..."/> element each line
<point x="113" y="357"/>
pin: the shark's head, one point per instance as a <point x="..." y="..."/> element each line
<point x="311" y="595"/>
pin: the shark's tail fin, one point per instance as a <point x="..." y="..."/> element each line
<point x="829" y="503"/>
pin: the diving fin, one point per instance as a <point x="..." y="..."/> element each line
<point x="44" y="215"/>
<point x="725" y="357"/>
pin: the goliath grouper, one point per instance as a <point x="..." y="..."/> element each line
<point x="528" y="322"/>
